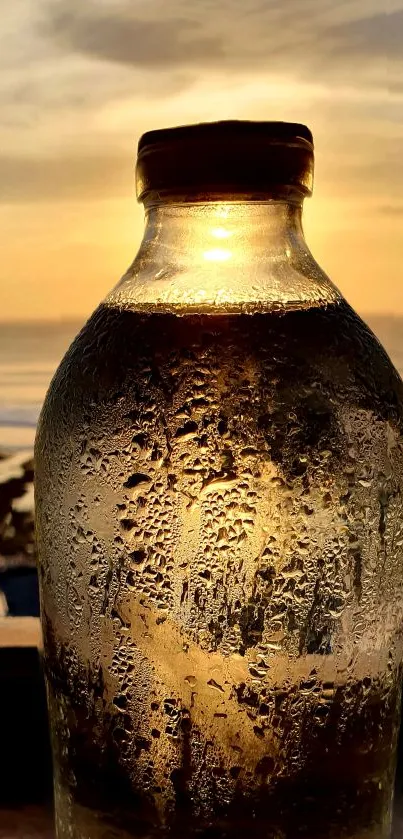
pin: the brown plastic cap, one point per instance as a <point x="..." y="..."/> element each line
<point x="224" y="160"/>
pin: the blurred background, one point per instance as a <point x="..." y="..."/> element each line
<point x="79" y="83"/>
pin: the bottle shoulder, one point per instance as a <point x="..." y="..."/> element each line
<point x="219" y="279"/>
<point x="329" y="344"/>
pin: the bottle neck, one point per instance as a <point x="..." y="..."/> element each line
<point x="216" y="232"/>
<point x="224" y="255"/>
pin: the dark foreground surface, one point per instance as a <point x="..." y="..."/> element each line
<point x="36" y="822"/>
<point x="29" y="822"/>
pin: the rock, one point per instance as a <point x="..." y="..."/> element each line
<point x="15" y="466"/>
<point x="17" y="545"/>
<point x="3" y="605"/>
<point x="25" y="503"/>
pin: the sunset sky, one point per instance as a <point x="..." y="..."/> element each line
<point x="81" y="80"/>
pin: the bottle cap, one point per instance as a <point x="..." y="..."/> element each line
<point x="225" y="160"/>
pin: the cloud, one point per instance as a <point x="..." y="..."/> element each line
<point x="80" y="87"/>
<point x="66" y="55"/>
<point x="80" y="76"/>
<point x="127" y="40"/>
<point x="391" y="209"/>
<point x="296" y="36"/>
<point x="378" y="35"/>
<point x="65" y="177"/>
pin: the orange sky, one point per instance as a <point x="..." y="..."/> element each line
<point x="80" y="81"/>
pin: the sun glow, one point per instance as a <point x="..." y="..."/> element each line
<point x="217" y="255"/>
<point x="220" y="233"/>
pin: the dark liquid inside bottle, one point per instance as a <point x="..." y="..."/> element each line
<point x="224" y="667"/>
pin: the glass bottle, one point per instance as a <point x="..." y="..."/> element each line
<point x="219" y="474"/>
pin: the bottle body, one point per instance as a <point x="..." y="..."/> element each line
<point x="221" y="568"/>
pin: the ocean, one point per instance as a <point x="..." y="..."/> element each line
<point x="31" y="352"/>
<point x="29" y="355"/>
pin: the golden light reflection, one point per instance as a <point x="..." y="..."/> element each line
<point x="217" y="255"/>
<point x="220" y="233"/>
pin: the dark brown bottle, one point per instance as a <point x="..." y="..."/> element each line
<point x="219" y="469"/>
